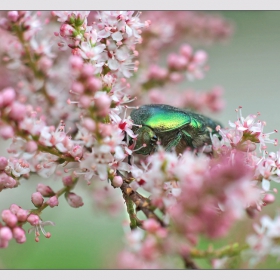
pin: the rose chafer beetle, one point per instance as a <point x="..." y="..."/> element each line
<point x="171" y="127"/>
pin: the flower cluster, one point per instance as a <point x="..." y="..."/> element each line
<point x="73" y="78"/>
<point x="265" y="241"/>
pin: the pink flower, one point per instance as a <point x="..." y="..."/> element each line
<point x="39" y="227"/>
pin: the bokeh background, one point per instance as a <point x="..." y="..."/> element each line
<point x="247" y="67"/>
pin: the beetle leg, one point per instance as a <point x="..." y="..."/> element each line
<point x="187" y="137"/>
<point x="174" y="142"/>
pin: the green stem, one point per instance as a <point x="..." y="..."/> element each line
<point x="131" y="212"/>
<point x="226" y="251"/>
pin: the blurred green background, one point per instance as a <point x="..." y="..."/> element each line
<point x="247" y="67"/>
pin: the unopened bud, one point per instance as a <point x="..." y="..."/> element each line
<point x="22" y="215"/>
<point x="19" y="235"/>
<point x="46" y="191"/>
<point x="89" y="124"/>
<point x="31" y="147"/>
<point x="3" y="163"/>
<point x="14" y="208"/>
<point x="7" y="132"/>
<point x="8" y="95"/>
<point x="269" y="198"/>
<point x="13" y="16"/>
<point x="53" y="201"/>
<point x="37" y="199"/>
<point x="6" y="233"/>
<point x="117" y="181"/>
<point x="33" y="219"/>
<point x="17" y="112"/>
<point x="74" y="200"/>
<point x="69" y="181"/>
<point x="9" y="218"/>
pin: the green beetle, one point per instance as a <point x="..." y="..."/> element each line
<point x="171" y="127"/>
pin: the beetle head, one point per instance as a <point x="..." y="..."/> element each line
<point x="146" y="137"/>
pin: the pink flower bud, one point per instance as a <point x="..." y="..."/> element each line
<point x="22" y="215"/>
<point x="103" y="103"/>
<point x="13" y="16"/>
<point x="87" y="70"/>
<point x="69" y="181"/>
<point x="74" y="200"/>
<point x="45" y="190"/>
<point x="158" y="73"/>
<point x="53" y="201"/>
<point x="45" y="64"/>
<point x="3" y="163"/>
<point x="37" y="199"/>
<point x="105" y="129"/>
<point x="94" y="84"/>
<point x="200" y="57"/>
<point x="175" y="77"/>
<point x="8" y="95"/>
<point x="19" y="235"/>
<point x="89" y="124"/>
<point x="7" y="181"/>
<point x="6" y="233"/>
<point x="186" y="51"/>
<point x="77" y="87"/>
<point x="151" y="225"/>
<point x="156" y="96"/>
<point x="172" y="60"/>
<point x="14" y="208"/>
<point x="17" y="112"/>
<point x="66" y="30"/>
<point x="76" y="62"/>
<point x="269" y="198"/>
<point x="117" y="181"/>
<point x="9" y="218"/>
<point x="31" y="147"/>
<point x="7" y="132"/>
<point x="33" y="219"/>
<point x="85" y="101"/>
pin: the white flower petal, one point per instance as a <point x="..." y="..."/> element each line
<point x="265" y="184"/>
<point x="113" y="64"/>
<point x="117" y="36"/>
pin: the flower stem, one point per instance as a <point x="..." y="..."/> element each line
<point x="131" y="212"/>
<point x="140" y="202"/>
<point x="226" y="251"/>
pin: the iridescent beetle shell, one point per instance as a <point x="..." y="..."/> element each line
<point x="172" y="127"/>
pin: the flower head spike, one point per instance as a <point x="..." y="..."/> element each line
<point x="40" y="227"/>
